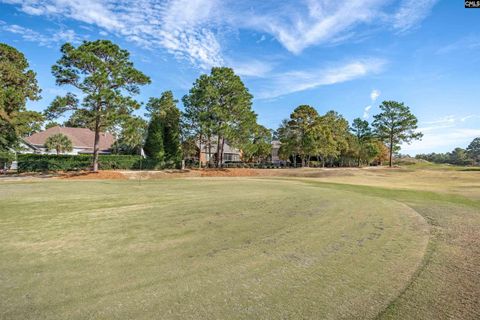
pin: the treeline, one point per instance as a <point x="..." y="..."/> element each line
<point x="217" y="111"/>
<point x="458" y="156"/>
<point x="328" y="139"/>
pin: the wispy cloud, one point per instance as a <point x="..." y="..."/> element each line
<point x="194" y="29"/>
<point x="366" y="112"/>
<point x="411" y="13"/>
<point x="294" y="81"/>
<point x="374" y="95"/>
<point x="251" y="68"/>
<point x="466" y="43"/>
<point x="445" y="133"/>
<point x="46" y="40"/>
<point x="442" y="140"/>
<point x="298" y="26"/>
<point x="182" y="27"/>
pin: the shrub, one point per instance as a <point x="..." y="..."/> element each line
<point x="49" y="162"/>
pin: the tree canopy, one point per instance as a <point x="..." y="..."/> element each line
<point x="163" y="134"/>
<point x="18" y="84"/>
<point x="131" y="137"/>
<point x="107" y="79"/>
<point x="473" y="149"/>
<point x="218" y="108"/>
<point x="394" y="125"/>
<point x="59" y="142"/>
<point x="217" y="111"/>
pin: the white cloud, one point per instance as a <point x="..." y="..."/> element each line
<point x="262" y="38"/>
<point x="471" y="116"/>
<point x="251" y="68"/>
<point x="183" y="27"/>
<point x="465" y="43"/>
<point x="194" y="29"/>
<point x="366" y="112"/>
<point x="298" y="26"/>
<point x="295" y="81"/>
<point x="46" y="40"/>
<point x="445" y="133"/>
<point x="374" y="95"/>
<point x="442" y="140"/>
<point x="411" y="13"/>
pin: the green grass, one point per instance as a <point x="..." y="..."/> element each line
<point x="447" y="286"/>
<point x="233" y="248"/>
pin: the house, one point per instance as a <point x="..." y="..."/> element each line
<point x="231" y="154"/>
<point x="82" y="140"/>
<point x="209" y="152"/>
<point x="275" y="149"/>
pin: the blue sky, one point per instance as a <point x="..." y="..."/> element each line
<point x="342" y="55"/>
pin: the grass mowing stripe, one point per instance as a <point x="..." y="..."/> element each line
<point x="248" y="249"/>
<point x="448" y="284"/>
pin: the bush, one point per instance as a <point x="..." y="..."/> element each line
<point x="50" y="162"/>
<point x="6" y="159"/>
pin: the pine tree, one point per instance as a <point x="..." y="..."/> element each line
<point x="163" y="137"/>
<point x="394" y="125"/>
<point x="107" y="78"/>
<point x="154" y="141"/>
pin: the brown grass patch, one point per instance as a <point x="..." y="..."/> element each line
<point x="89" y="175"/>
<point x="237" y="172"/>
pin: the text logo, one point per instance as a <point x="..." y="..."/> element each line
<point x="472" y="3"/>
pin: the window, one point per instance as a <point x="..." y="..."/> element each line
<point x="231" y="157"/>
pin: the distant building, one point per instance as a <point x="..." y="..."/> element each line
<point x="275" y="148"/>
<point x="82" y="140"/>
<point x="230" y="154"/>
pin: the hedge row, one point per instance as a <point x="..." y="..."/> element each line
<point x="255" y="165"/>
<point x="48" y="162"/>
<point x="238" y="164"/>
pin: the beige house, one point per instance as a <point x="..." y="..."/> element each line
<point x="275" y="148"/>
<point x="82" y="141"/>
<point x="209" y="152"/>
<point x="231" y="154"/>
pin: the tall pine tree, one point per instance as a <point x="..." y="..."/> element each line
<point x="394" y="125"/>
<point x="163" y="137"/>
<point x="107" y="79"/>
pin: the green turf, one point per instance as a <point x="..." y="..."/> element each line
<point x="447" y="286"/>
<point x="234" y="248"/>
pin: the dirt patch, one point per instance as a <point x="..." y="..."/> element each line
<point x="212" y="172"/>
<point x="88" y="175"/>
<point x="237" y="172"/>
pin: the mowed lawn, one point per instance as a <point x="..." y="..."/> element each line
<point x="232" y="248"/>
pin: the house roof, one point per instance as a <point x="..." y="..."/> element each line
<point x="80" y="137"/>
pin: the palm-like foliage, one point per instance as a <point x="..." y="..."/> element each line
<point x="59" y="142"/>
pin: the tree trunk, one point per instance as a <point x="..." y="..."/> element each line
<point x="96" y="145"/>
<point x="221" y="151"/>
<point x="200" y="152"/>
<point x="217" y="159"/>
<point x="209" y="150"/>
<point x="391" y="152"/>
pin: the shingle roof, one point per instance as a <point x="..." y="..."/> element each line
<point x="81" y="137"/>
